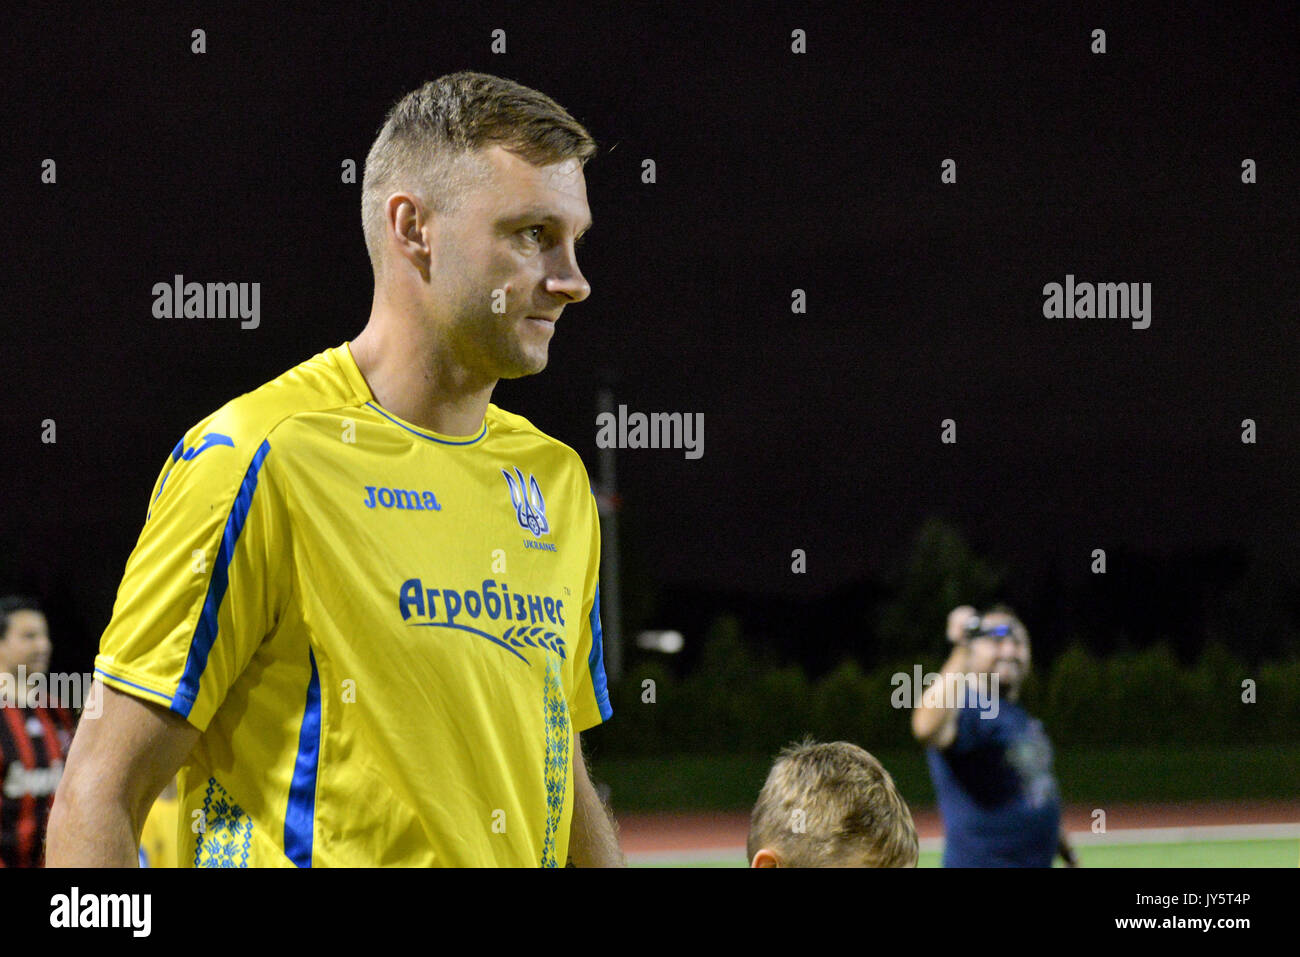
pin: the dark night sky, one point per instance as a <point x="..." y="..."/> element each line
<point x="775" y="171"/>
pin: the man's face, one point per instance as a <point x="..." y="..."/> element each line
<point x="1007" y="655"/>
<point x="505" y="265"/>
<point x="26" y="643"/>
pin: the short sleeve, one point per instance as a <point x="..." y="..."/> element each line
<point x="202" y="586"/>
<point x="589" y="704"/>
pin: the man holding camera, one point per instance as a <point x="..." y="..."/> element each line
<point x="991" y="766"/>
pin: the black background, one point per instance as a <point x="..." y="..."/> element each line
<point x="775" y="171"/>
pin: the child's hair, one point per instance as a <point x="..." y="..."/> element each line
<point x="829" y="804"/>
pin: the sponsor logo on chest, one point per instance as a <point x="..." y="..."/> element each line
<point x="526" y="502"/>
<point x="404" y="499"/>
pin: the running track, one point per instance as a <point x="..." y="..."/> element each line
<point x="725" y="832"/>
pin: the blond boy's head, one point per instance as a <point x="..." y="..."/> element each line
<point x="830" y="805"/>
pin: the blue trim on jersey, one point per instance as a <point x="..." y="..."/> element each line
<point x="596" y="662"/>
<point x="300" y="817"/>
<point x="205" y="634"/>
<point x="108" y="674"/>
<point x="176" y="455"/>
<point x="429" y="437"/>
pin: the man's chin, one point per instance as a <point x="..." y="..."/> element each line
<point x="521" y="369"/>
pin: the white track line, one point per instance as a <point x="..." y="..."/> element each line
<point x="689" y="855"/>
<point x="1196" y="834"/>
<point x="1128" y="835"/>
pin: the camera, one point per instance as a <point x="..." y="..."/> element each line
<point x="975" y="628"/>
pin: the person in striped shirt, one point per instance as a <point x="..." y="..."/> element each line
<point x="34" y="735"/>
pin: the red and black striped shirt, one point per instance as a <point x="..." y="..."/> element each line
<point x="33" y="743"/>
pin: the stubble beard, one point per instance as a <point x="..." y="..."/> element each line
<point x="488" y="345"/>
<point x="503" y="351"/>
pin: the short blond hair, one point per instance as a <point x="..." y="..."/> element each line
<point x="828" y="804"/>
<point x="430" y="131"/>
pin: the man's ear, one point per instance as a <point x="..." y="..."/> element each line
<point x="406" y="216"/>
<point x="765" y="857"/>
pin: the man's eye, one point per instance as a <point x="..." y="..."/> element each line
<point x="538" y="230"/>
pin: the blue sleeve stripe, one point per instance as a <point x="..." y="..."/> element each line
<point x="300" y="817"/>
<point x="131" y="684"/>
<point x="205" y="634"/>
<point x="596" y="662"/>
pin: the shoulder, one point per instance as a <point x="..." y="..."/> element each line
<point x="536" y="449"/>
<point x="511" y="423"/>
<point x="224" y="453"/>
<point x="317" y="385"/>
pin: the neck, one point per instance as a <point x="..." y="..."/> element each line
<point x="416" y="374"/>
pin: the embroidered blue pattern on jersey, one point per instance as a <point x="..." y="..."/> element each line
<point x="227" y="831"/>
<point x="558" y="741"/>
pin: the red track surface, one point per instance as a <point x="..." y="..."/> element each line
<point x="647" y="833"/>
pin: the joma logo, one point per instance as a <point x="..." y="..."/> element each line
<point x="401" y="498"/>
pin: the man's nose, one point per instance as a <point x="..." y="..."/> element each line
<point x="568" y="281"/>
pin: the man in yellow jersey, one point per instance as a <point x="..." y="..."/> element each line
<point x="362" y="619"/>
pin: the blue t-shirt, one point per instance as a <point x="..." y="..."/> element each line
<point x="997" y="795"/>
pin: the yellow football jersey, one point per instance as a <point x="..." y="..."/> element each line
<point x="386" y="636"/>
<point x="158" y="839"/>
